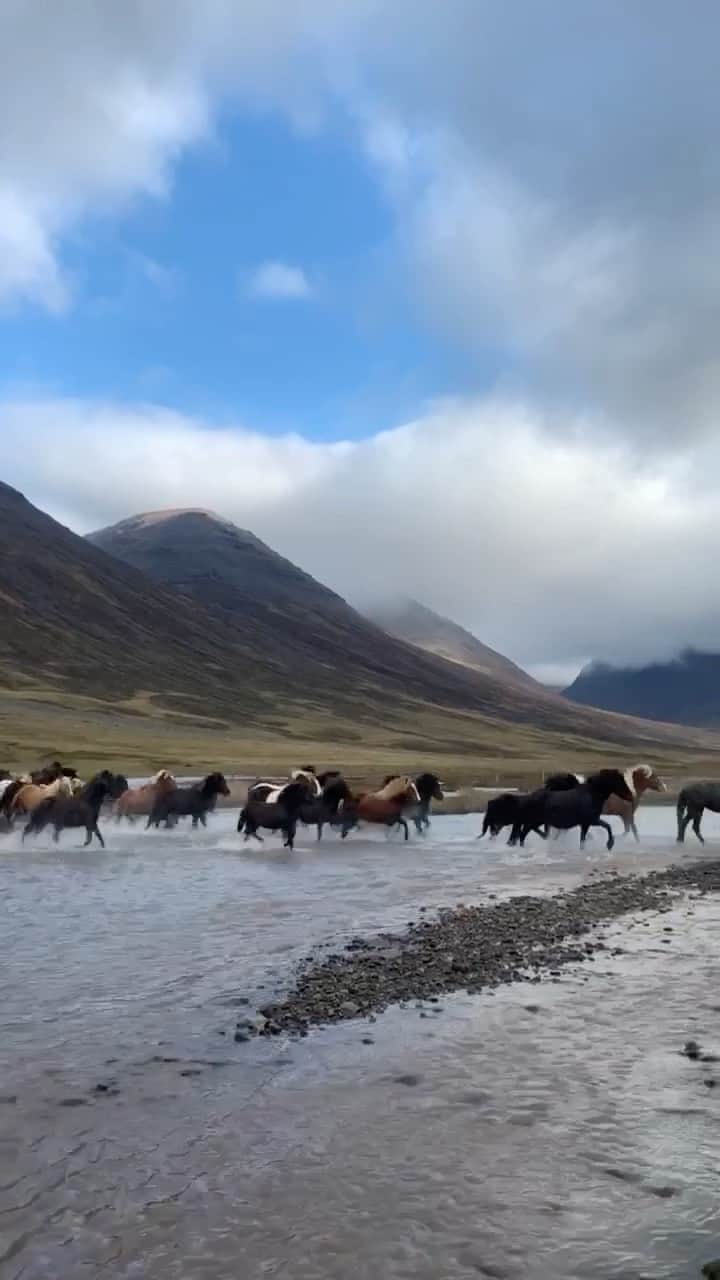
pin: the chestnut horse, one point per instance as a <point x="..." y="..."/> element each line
<point x="384" y="807"/>
<point x="641" y="778"/>
<point x="29" y="796"/>
<point x="139" y="801"/>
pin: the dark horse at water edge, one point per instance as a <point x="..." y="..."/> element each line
<point x="579" y="807"/>
<point x="692" y="802"/>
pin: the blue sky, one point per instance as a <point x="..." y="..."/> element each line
<point x="163" y="307"/>
<point x="426" y="295"/>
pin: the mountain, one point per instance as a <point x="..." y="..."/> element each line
<point x="230" y="654"/>
<point x="414" y="623"/>
<point x="685" y="690"/>
<point x="324" y="653"/>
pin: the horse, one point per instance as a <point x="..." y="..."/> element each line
<point x="29" y="795"/>
<point x="63" y="810"/>
<point x="279" y="815"/>
<point x="188" y="802"/>
<point x="319" y="810"/>
<point x="384" y="807"/>
<point x="271" y="792"/>
<point x="428" y="788"/>
<point x="692" y="802"/>
<point x="502" y="810"/>
<point x="640" y="778"/>
<point x="138" y="801"/>
<point x="579" y="807"/>
<point x="51" y="773"/>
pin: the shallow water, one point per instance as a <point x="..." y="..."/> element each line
<point x="481" y="1140"/>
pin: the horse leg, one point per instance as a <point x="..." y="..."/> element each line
<point x="402" y="823"/>
<point x="290" y="836"/>
<point x="96" y="831"/>
<point x="696" y="826"/>
<point x="319" y="830"/>
<point x="633" y="828"/>
<point x="585" y="827"/>
<point x="203" y="819"/>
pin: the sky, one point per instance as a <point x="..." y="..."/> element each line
<point x="427" y="296"/>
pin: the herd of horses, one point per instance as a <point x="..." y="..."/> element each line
<point x="55" y="797"/>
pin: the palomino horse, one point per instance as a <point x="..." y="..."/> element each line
<point x="384" y="807"/>
<point x="82" y="810"/>
<point x="138" y="801"/>
<point x="29" y="796"/>
<point x="641" y="778"/>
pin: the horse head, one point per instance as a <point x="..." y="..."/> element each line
<point x="644" y="778"/>
<point x="307" y="775"/>
<point x="216" y="785"/>
<point x="428" y="787"/>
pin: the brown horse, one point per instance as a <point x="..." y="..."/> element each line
<point x="29" y="796"/>
<point x="641" y="778"/>
<point x="139" y="801"/>
<point x="383" y="807"/>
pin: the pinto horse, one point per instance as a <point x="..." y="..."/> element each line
<point x="428" y="788"/>
<point x="384" y="807"/>
<point x="137" y="802"/>
<point x="278" y="815"/>
<point x="579" y="807"/>
<point x="271" y="792"/>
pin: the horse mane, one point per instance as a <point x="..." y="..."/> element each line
<point x="162" y="775"/>
<point x="395" y="787"/>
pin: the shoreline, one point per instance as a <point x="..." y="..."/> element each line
<point x="476" y="948"/>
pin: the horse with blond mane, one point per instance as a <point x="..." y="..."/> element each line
<point x="137" y="802"/>
<point x="30" y="794"/>
<point x="384" y="807"/>
<point x="640" y="778"/>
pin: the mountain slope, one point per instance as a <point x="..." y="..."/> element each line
<point x="684" y="691"/>
<point x="325" y="654"/>
<point x="417" y="625"/>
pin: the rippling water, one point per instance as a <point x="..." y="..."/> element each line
<point x="137" y="1140"/>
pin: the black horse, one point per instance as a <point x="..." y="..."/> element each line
<point x="692" y="802"/>
<point x="502" y="811"/>
<point x="188" y="802"/>
<point x="322" y="810"/>
<point x="579" y="807"/>
<point x="51" y="773"/>
<point x="282" y="815"/>
<point x="81" y="810"/>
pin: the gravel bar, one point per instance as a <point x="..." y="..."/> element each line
<point x="470" y="949"/>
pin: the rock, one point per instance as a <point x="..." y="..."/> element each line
<point x="710" y="1083"/>
<point x="368" y="1040"/>
<point x="692" y="1050"/>
<point x="240" y="1037"/>
<point x="349" y="1008"/>
<point x="532" y="1008"/>
<point x="409" y="1080"/>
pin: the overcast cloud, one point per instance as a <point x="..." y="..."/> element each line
<point x="555" y="178"/>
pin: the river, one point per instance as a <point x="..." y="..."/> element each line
<point x="478" y="1139"/>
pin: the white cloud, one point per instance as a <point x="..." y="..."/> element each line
<point x="278" y="281"/>
<point x="549" y="549"/>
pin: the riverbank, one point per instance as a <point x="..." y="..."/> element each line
<point x="472" y="949"/>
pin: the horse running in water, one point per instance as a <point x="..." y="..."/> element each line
<point x="82" y="810"/>
<point x="26" y="798"/>
<point x="502" y="811"/>
<point x="320" y="810"/>
<point x="641" y="778"/>
<point x="384" y="807"/>
<point x="428" y="788"/>
<point x="579" y="807"/>
<point x="137" y="802"/>
<point x="188" y="802"/>
<point x="276" y="815"/>
<point x="692" y="802"/>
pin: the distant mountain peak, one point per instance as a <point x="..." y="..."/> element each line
<point x="413" y="622"/>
